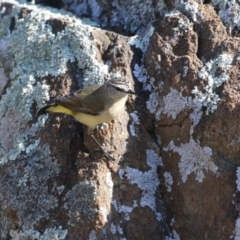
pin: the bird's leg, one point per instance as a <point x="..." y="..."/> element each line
<point x="99" y="145"/>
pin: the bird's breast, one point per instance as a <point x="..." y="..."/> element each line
<point x="109" y="113"/>
<point x="117" y="107"/>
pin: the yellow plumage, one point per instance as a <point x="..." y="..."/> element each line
<point x="60" y="109"/>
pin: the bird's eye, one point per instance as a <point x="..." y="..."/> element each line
<point x="119" y="89"/>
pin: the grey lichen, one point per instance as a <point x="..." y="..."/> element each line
<point x="80" y="202"/>
<point x="24" y="187"/>
<point x="32" y="52"/>
<point x="49" y="234"/>
<point x="147" y="181"/>
<point x="190" y="9"/>
<point x="193" y="159"/>
<point x="210" y="72"/>
<point x="44" y="53"/>
<point x="137" y="14"/>
<point x="47" y="53"/>
<point x="131" y="16"/>
<point x="229" y="12"/>
<point x="141" y="41"/>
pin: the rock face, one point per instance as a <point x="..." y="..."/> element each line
<point x="176" y="168"/>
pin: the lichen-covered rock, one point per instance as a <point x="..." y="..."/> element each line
<point x="128" y="16"/>
<point x="54" y="185"/>
<point x="191" y="73"/>
<point x="176" y="168"/>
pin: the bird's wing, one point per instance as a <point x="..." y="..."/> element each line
<point x="76" y="102"/>
<point x="82" y="93"/>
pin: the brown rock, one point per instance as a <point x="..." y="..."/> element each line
<point x="180" y="130"/>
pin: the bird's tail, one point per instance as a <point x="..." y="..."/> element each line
<point x="53" y="108"/>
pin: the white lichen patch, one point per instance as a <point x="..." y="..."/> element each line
<point x="92" y="235"/>
<point x="104" y="208"/>
<point x="191" y="9"/>
<point x="80" y="202"/>
<point x="141" y="41"/>
<point x="184" y="25"/>
<point x="56" y="233"/>
<point x="113" y="228"/>
<point x="116" y="229"/>
<point x="229" y="12"/>
<point x="238" y="179"/>
<point x="153" y="104"/>
<point x="168" y="181"/>
<point x="96" y="10"/>
<point x="147" y="181"/>
<point x="215" y="73"/>
<point x="173" y="104"/>
<point x="60" y="189"/>
<point x="3" y="79"/>
<point x="237" y="224"/>
<point x="141" y="74"/>
<point x="196" y="114"/>
<point x="18" y="142"/>
<point x="176" y="236"/>
<point x="122" y="209"/>
<point x="135" y="121"/>
<point x="120" y="230"/>
<point x="193" y="159"/>
<point x="109" y="183"/>
<point x="237" y="229"/>
<point x="121" y="173"/>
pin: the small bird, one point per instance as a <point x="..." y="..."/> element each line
<point x="93" y="105"/>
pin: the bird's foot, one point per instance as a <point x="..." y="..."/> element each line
<point x="108" y="156"/>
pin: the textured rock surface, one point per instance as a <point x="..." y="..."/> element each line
<point x="176" y="173"/>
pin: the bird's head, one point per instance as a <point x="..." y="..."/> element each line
<point x="119" y="86"/>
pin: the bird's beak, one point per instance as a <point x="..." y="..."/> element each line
<point x="131" y="92"/>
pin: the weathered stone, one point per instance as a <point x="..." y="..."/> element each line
<point x="176" y="170"/>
